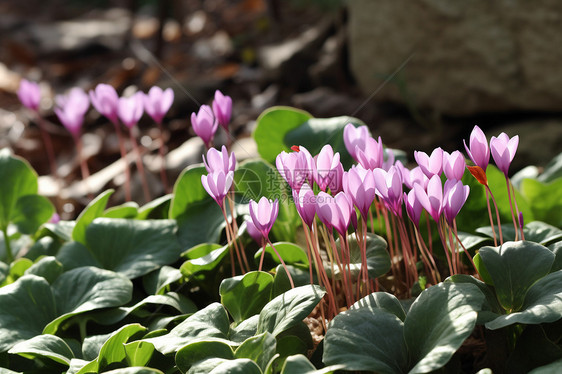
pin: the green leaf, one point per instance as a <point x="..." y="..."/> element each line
<point x="204" y="262"/>
<point x="130" y="247"/>
<point x="222" y="366"/>
<point x="381" y="301"/>
<point x="536" y="231"/>
<point x="378" y="258"/>
<point x="47" y="267"/>
<point x="244" y="330"/>
<point x="198" y="216"/>
<point x="156" y="281"/>
<point x="491" y="308"/>
<point x="48" y="346"/>
<point x="85" y="289"/>
<point x="125" y="210"/>
<point x="470" y="241"/>
<point x="556" y="248"/>
<point x="134" y="370"/>
<point x="553" y="170"/>
<point x="438" y="322"/>
<point x="199" y="351"/>
<point x="260" y="349"/>
<point x="19" y="179"/>
<point x="281" y="283"/>
<point x="245" y="295"/>
<point x="288" y="309"/>
<point x="349" y="342"/>
<point x="543" y="304"/>
<point x="26" y="306"/>
<point x="300" y="364"/>
<point x="532" y="349"/>
<point x="271" y="128"/>
<point x="177" y="301"/>
<point x="92" y="211"/>
<point x="30" y="212"/>
<point x="317" y="132"/>
<point x="210" y="323"/>
<point x="158" y="208"/>
<point x="514" y="267"/>
<point x="138" y="353"/>
<point x="18" y="269"/>
<point x="113" y="350"/>
<point x="291" y="253"/>
<point x="545" y="199"/>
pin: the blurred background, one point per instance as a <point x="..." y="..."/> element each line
<point x="420" y="74"/>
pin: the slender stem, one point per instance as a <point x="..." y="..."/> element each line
<point x="48" y="145"/>
<point x="239" y="246"/>
<point x="7" y="245"/>
<point x="444" y="242"/>
<point x="465" y="250"/>
<point x="341" y="266"/>
<point x="140" y="166"/>
<point x="162" y="153"/>
<point x="83" y="164"/>
<point x="497" y="215"/>
<point x="230" y="249"/>
<point x="516" y="209"/>
<point x="282" y="263"/>
<point x="308" y="253"/>
<point x="511" y="208"/>
<point x="124" y="158"/>
<point x="425" y="253"/>
<point x="322" y="270"/>
<point x="231" y="238"/>
<point x="491" y="218"/>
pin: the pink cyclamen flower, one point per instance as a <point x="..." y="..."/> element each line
<point x="219" y="160"/>
<point x="413" y="207"/>
<point x="372" y="155"/>
<point x="254" y="232"/>
<point x="263" y="214"/>
<point x="389" y="159"/>
<point x="430" y="165"/>
<point x="296" y="167"/>
<point x="329" y="170"/>
<point x="158" y="102"/>
<point x="453" y="165"/>
<point x="454" y="197"/>
<point x="29" y="94"/>
<point x="389" y="188"/>
<point x="334" y="212"/>
<point x="432" y="197"/>
<point x="503" y="150"/>
<point x="359" y="185"/>
<point x="355" y="137"/>
<point x="71" y="109"/>
<point x="204" y="124"/>
<point x="479" y="152"/>
<point x="130" y="109"/>
<point x="106" y="101"/>
<point x="222" y="108"/>
<point x="305" y="202"/>
<point x="217" y="185"/>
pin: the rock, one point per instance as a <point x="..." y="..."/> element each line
<point x="323" y="102"/>
<point x="468" y="57"/>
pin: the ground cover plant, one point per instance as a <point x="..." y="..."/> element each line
<point x="325" y="255"/>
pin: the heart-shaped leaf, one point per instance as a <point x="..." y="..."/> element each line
<point x="47" y="267"/>
<point x="210" y="323"/>
<point x="514" y="267"/>
<point x="272" y="127"/>
<point x="300" y="364"/>
<point x="381" y="301"/>
<point x="349" y="342"/>
<point x="288" y="309"/>
<point x="536" y="231"/>
<point x="30" y="212"/>
<point x="245" y="295"/>
<point x="155" y="282"/>
<point x="48" y="346"/>
<point x="19" y="180"/>
<point x="438" y="322"/>
<point x="542" y="304"/>
<point x="130" y="247"/>
<point x="291" y="253"/>
<point x="223" y="366"/>
<point x="260" y="349"/>
<point x="199" y="351"/>
<point x="138" y="353"/>
<point x="26" y="307"/>
<point x="85" y="289"/>
<point x="126" y="210"/>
